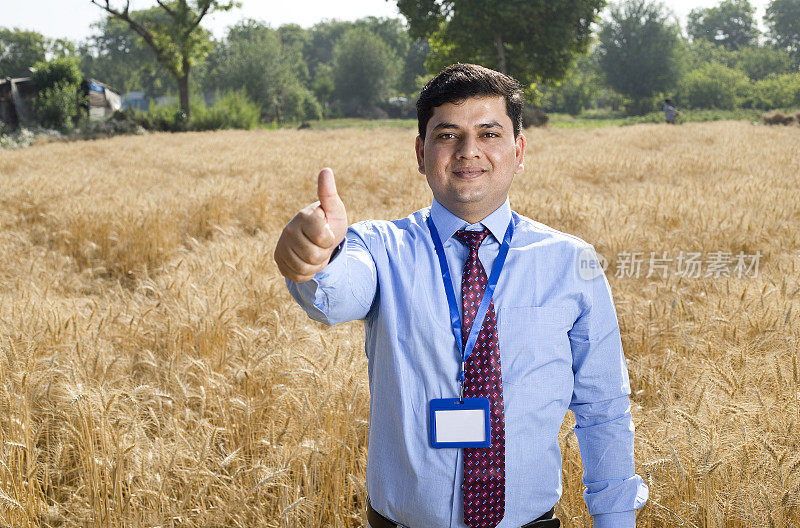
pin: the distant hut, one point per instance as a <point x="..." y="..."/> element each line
<point x="100" y="99"/>
<point x="18" y="94"/>
<point x="16" y="102"/>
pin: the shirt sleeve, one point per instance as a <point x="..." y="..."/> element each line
<point x="346" y="288"/>
<point x="602" y="411"/>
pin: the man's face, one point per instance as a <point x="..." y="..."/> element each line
<point x="470" y="156"/>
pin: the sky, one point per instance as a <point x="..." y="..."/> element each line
<point x="72" y="18"/>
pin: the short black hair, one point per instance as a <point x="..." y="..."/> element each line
<point x="459" y="82"/>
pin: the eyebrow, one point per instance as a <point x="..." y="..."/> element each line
<point x="446" y="125"/>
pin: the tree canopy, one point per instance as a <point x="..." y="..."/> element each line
<point x="731" y="23"/>
<point x="20" y="49"/>
<point x="174" y="35"/>
<point x="532" y="40"/>
<point x="639" y="50"/>
<point x="364" y="69"/>
<point x="783" y="20"/>
<point x="253" y="57"/>
<point x="115" y="54"/>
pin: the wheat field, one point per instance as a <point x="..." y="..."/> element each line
<point x="154" y="372"/>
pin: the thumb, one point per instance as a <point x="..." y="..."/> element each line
<point x="326" y="191"/>
<point x="331" y="204"/>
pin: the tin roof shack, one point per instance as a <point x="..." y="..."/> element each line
<point x="16" y="102"/>
<point x="100" y="99"/>
<point x="17" y="97"/>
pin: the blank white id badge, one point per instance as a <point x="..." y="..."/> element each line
<point x="460" y="423"/>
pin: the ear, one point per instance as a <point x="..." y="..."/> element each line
<point x="419" y="147"/>
<point x="519" y="152"/>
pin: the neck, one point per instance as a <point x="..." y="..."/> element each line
<point x="469" y="214"/>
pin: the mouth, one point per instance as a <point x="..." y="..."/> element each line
<point x="468" y="173"/>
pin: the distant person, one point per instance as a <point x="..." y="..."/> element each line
<point x="670" y="112"/>
<point x="464" y="418"/>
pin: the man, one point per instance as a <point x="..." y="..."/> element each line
<point x="441" y="385"/>
<point x="670" y="112"/>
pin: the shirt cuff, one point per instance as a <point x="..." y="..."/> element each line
<point x="624" y="519"/>
<point x="337" y="251"/>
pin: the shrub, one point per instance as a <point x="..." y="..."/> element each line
<point x="777" y="91"/>
<point x="64" y="70"/>
<point x="159" y="118"/>
<point x="291" y="103"/>
<point x="119" y="123"/>
<point x="715" y="85"/>
<point x="57" y="106"/>
<point x="312" y="109"/>
<point x="56" y="83"/>
<point x="231" y="110"/>
<point x="297" y="103"/>
<point x="570" y="97"/>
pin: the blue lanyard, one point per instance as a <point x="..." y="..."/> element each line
<point x="483" y="307"/>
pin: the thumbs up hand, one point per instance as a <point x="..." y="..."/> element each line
<point x="308" y="240"/>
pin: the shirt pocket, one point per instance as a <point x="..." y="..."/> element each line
<point x="534" y="345"/>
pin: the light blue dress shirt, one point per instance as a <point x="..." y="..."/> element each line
<point x="560" y="349"/>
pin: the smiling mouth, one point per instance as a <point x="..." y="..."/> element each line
<point x="469" y="172"/>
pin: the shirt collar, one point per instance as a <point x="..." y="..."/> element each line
<point x="447" y="223"/>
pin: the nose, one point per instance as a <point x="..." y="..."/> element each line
<point x="468" y="148"/>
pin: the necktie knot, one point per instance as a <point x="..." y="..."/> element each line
<point x="471" y="239"/>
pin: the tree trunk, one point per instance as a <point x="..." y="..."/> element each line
<point x="501" y="53"/>
<point x="183" y="89"/>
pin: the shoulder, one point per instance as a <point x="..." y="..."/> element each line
<point x="530" y="232"/>
<point x="411" y="226"/>
<point x="565" y="256"/>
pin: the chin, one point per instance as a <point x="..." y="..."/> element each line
<point x="469" y="197"/>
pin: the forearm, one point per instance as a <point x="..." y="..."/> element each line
<point x="605" y="435"/>
<point x="344" y="290"/>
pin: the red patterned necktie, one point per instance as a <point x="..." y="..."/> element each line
<point x="484" y="483"/>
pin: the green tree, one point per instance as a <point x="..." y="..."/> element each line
<point x="324" y="86"/>
<point x="731" y="24"/>
<point x="177" y="43"/>
<point x="392" y="31"/>
<point x="777" y="91"/>
<point x="60" y="48"/>
<point x="322" y="41"/>
<point x="756" y="61"/>
<point x="533" y="40"/>
<point x="294" y="40"/>
<point x="783" y="20"/>
<point x="639" y="51"/>
<point x="760" y="61"/>
<point x="577" y="90"/>
<point x="252" y="57"/>
<point x="116" y="55"/>
<point x="323" y="37"/>
<point x="56" y="82"/>
<point x="414" y="66"/>
<point x="364" y="69"/>
<point x="20" y="49"/>
<point x="715" y="85"/>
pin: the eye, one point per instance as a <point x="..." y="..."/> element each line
<point x="446" y="135"/>
<point x="491" y="135"/>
